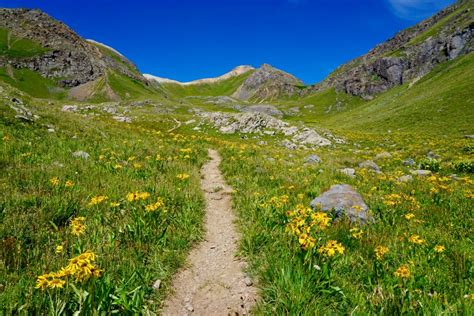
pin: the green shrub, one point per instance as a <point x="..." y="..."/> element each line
<point x="464" y="166"/>
<point x="430" y="164"/>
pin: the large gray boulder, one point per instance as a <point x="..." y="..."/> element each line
<point x="345" y="201"/>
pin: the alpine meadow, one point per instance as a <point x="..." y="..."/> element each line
<point x="251" y="193"/>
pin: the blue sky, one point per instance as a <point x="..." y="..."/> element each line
<point x="186" y="40"/>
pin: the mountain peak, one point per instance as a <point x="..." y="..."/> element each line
<point x="236" y="71"/>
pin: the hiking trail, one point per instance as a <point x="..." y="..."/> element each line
<point x="213" y="281"/>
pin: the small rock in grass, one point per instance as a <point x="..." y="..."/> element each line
<point x="409" y="162"/>
<point x="81" y="154"/>
<point x="421" y="173"/>
<point x="157" y="285"/>
<point x="369" y="164"/>
<point x="405" y="178"/>
<point x="384" y="155"/>
<point x="313" y="159"/>
<point x="69" y="108"/>
<point x="350" y="172"/>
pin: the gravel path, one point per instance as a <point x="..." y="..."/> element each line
<point x="213" y="283"/>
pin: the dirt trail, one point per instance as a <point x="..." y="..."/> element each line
<point x="213" y="282"/>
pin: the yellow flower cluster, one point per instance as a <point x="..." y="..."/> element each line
<point x="135" y="196"/>
<point x="276" y="201"/>
<point x="303" y="222"/>
<point x="97" y="200"/>
<point x="380" y="252"/>
<point x="331" y="248"/>
<point x="403" y="272"/>
<point x="395" y="199"/>
<point x="154" y="206"/>
<point x="77" y="226"/>
<point x="81" y="268"/>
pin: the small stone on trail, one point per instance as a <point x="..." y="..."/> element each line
<point x="248" y="281"/>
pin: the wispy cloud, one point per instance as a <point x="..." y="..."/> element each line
<point x="417" y="9"/>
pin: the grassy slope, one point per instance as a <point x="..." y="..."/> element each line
<point x="444" y="98"/>
<point x="13" y="47"/>
<point x="134" y="247"/>
<point x="224" y="87"/>
<point x="128" y="88"/>
<point x="32" y="83"/>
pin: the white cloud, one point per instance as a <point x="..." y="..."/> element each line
<point x="417" y="9"/>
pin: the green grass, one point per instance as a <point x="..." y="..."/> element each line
<point x="134" y="247"/>
<point x="224" y="87"/>
<point x="128" y="88"/>
<point x="13" y="47"/>
<point x="32" y="83"/>
<point x="295" y="281"/>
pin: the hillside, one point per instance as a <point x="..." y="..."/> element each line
<point x="37" y="48"/>
<point x="409" y="55"/>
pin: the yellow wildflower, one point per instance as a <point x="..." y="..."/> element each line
<point x="134" y="196"/>
<point x="439" y="248"/>
<point x="403" y="272"/>
<point x="154" y="206"/>
<point x="409" y="216"/>
<point x="77" y="226"/>
<point x="114" y="204"/>
<point x="97" y="200"/>
<point x="56" y="283"/>
<point x="69" y="184"/>
<point x="380" y="252"/>
<point x="417" y="240"/>
<point x="356" y="232"/>
<point x="54" y="181"/>
<point x="182" y="176"/>
<point x="59" y="249"/>
<point x="331" y="248"/>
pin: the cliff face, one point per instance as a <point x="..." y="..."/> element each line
<point x="55" y="51"/>
<point x="408" y="55"/>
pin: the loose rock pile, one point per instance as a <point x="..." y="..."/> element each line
<point x="263" y="124"/>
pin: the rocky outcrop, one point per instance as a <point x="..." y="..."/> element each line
<point x="268" y="83"/>
<point x="65" y="57"/>
<point x="410" y="54"/>
<point x="263" y="124"/>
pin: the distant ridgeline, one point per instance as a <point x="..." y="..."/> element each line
<point x="59" y="63"/>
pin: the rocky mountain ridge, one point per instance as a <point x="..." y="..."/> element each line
<point x="62" y="55"/>
<point x="408" y="55"/>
